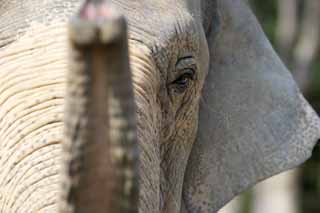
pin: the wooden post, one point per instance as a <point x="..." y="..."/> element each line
<point x="100" y="147"/>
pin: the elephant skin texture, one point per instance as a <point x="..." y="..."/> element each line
<point x="216" y="109"/>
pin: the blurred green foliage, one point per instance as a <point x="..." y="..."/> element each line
<point x="266" y="12"/>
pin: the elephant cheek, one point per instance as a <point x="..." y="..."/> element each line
<point x="146" y="85"/>
<point x="31" y="113"/>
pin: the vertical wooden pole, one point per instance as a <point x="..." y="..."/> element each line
<point x="100" y="147"/>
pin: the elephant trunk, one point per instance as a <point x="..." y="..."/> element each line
<point x="100" y="147"/>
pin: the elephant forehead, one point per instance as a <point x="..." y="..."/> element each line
<point x="155" y="22"/>
<point x="16" y="17"/>
<point x="150" y="16"/>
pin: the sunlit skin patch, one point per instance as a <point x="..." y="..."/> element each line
<point x="33" y="72"/>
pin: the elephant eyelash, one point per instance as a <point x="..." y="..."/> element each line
<point x="183" y="82"/>
<point x="188" y="73"/>
<point x="185" y="71"/>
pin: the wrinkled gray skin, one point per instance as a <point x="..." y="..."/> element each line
<point x="203" y="137"/>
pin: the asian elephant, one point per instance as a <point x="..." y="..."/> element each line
<point x="216" y="109"/>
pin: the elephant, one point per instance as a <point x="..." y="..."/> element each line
<point x="216" y="110"/>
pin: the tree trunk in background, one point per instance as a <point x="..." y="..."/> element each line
<point x="308" y="44"/>
<point x="100" y="147"/>
<point x="286" y="28"/>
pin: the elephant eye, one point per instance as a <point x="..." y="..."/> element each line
<point x="184" y="80"/>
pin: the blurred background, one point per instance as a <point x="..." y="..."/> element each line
<point x="293" y="27"/>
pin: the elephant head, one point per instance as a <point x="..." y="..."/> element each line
<point x="216" y="109"/>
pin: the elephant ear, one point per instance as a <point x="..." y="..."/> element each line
<point x="254" y="122"/>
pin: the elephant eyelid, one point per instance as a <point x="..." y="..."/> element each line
<point x="183" y="74"/>
<point x="184" y="60"/>
<point x="183" y="81"/>
<point x="185" y="63"/>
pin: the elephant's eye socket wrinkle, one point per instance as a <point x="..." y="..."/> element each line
<point x="183" y="81"/>
<point x="184" y="59"/>
<point x="186" y="71"/>
<point x="186" y="62"/>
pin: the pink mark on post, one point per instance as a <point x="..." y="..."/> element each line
<point x="88" y="11"/>
<point x="93" y="12"/>
<point x="105" y="10"/>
